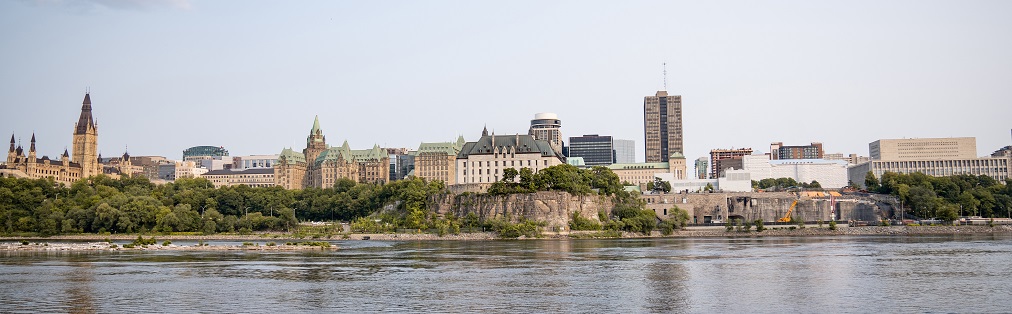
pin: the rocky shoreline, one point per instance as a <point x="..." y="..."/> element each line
<point x="276" y="242"/>
<point x="849" y="231"/>
<point x="105" y="246"/>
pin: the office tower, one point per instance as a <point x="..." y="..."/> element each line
<point x="662" y="126"/>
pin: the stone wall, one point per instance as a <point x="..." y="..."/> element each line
<point x="717" y="207"/>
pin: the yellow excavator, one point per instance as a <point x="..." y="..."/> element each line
<point x="787" y="217"/>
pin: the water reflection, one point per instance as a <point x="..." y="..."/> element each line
<point x="78" y="288"/>
<point x="849" y="274"/>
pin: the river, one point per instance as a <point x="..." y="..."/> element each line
<point x="838" y="274"/>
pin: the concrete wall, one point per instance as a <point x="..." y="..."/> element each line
<point x="767" y="206"/>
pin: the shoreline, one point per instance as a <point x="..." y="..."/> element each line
<point x="691" y="232"/>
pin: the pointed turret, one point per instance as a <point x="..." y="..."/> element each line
<point x="12" y="143"/>
<point x="316" y="125"/>
<point x="65" y="153"/>
<point x="32" y="148"/>
<point x="484" y="131"/>
<point x="85" y="121"/>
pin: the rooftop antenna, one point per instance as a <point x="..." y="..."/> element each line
<point x="664" y="66"/>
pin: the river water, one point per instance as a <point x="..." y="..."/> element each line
<point x="849" y="274"/>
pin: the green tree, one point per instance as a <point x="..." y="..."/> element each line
<point x="871" y="182"/>
<point x="970" y="204"/>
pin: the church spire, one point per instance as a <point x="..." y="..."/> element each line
<point x="32" y="148"/>
<point x="86" y="121"/>
<point x="316" y="125"/>
<point x="12" y="142"/>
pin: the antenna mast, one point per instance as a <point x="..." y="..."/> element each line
<point x="664" y="65"/>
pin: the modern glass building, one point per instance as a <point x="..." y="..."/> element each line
<point x="595" y="150"/>
<point x="204" y="152"/>
<point x="625" y="151"/>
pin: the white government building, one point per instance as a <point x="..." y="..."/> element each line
<point x="831" y="174"/>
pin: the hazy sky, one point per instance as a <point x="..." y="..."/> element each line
<point x="250" y="75"/>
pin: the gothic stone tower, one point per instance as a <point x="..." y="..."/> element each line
<point x="316" y="143"/>
<point x="86" y="141"/>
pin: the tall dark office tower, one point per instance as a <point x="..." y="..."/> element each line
<point x="594" y="149"/>
<point x="662" y="126"/>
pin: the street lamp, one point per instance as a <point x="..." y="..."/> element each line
<point x="247" y="216"/>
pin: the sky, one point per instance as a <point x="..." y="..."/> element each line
<point x="166" y="75"/>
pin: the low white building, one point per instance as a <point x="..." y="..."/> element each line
<point x="254" y="162"/>
<point x="831" y="174"/>
<point x="733" y="181"/>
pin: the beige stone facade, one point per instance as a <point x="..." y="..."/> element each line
<point x="322" y="166"/>
<point x="256" y="177"/>
<point x="67" y="169"/>
<point x="951" y="148"/>
<point x="438" y="161"/>
<point x="662" y="122"/>
<point x="483" y="161"/>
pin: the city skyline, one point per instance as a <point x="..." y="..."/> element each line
<point x="209" y="74"/>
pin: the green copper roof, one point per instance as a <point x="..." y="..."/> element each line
<point x="316" y="125"/>
<point x="576" y="161"/>
<point x="346" y="153"/>
<point x="445" y="148"/>
<point x="292" y="156"/>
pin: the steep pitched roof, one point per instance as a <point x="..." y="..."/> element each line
<point x="447" y="148"/>
<point x="85" y="121"/>
<point x="291" y="156"/>
<point x="316" y="125"/>
<point x="344" y="152"/>
<point x="519" y="143"/>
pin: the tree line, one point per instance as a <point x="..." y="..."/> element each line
<point x="945" y="198"/>
<point x="133" y="204"/>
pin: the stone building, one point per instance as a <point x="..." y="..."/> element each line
<point x="438" y="161"/>
<point x="69" y="168"/>
<point x="256" y="177"/>
<point x="640" y="174"/>
<point x="483" y="161"/>
<point x="321" y="166"/>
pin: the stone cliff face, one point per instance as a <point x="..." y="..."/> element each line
<point x="557" y="208"/>
<point x="554" y="208"/>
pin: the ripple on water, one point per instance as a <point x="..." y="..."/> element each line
<point x="851" y="274"/>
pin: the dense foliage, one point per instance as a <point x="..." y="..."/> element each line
<point x="780" y="184"/>
<point x="101" y="204"/>
<point x="946" y="198"/>
<point x="566" y="178"/>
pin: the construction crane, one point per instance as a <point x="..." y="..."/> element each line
<point x="787" y="217"/>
